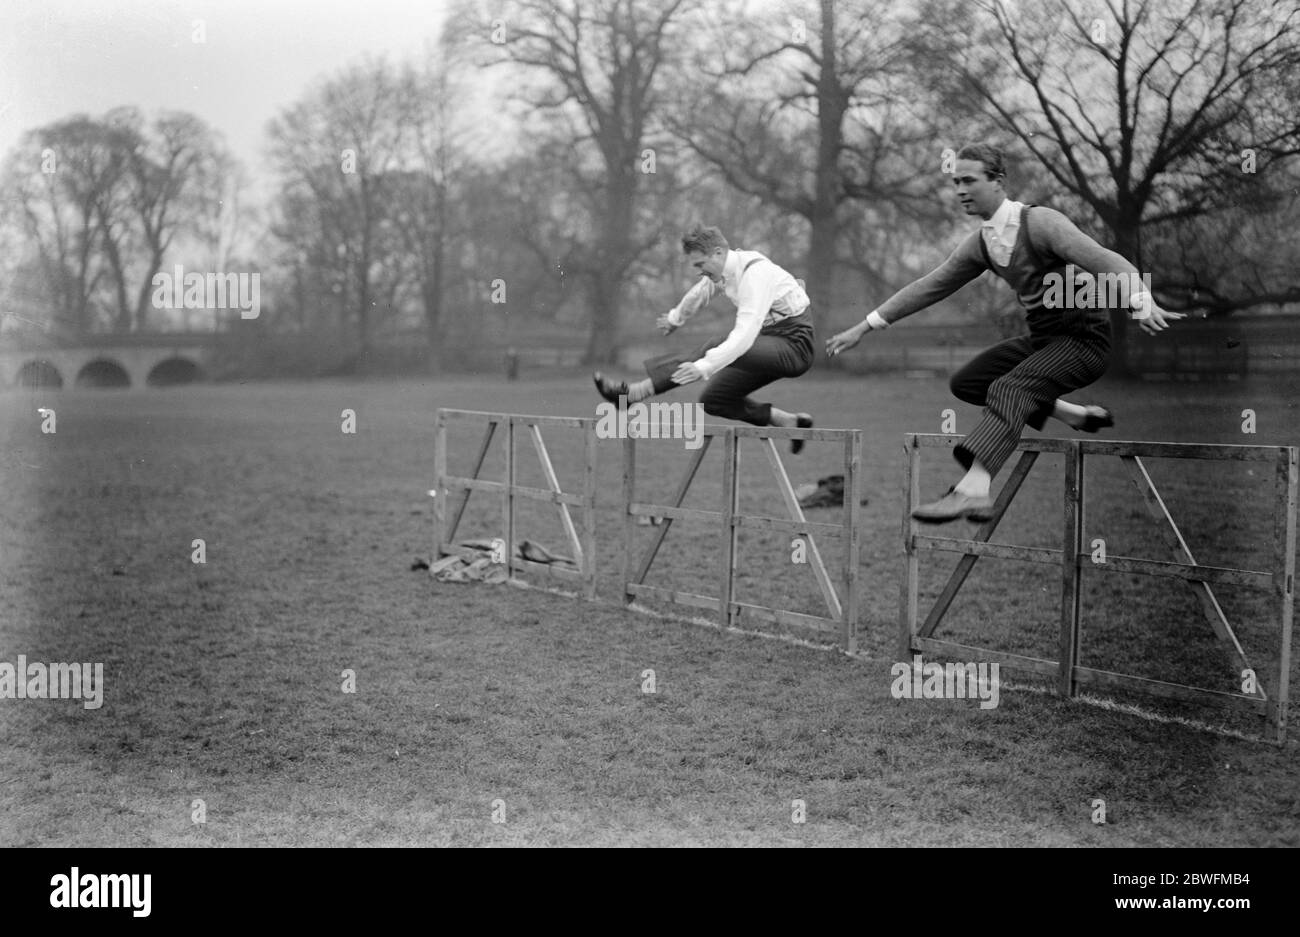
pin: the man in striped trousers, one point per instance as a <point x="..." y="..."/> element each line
<point x="1045" y="258"/>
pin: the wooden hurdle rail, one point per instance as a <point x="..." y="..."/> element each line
<point x="1270" y="698"/>
<point x="844" y="615"/>
<point x="582" y="539"/>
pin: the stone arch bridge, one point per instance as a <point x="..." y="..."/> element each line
<point x="130" y="360"/>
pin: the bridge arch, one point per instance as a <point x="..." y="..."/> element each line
<point x="39" y="372"/>
<point x="103" y="372"/>
<point x="177" y="369"/>
<point x="111" y="360"/>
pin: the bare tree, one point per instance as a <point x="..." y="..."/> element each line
<point x="178" y="172"/>
<point x="522" y="221"/>
<point x="808" y="112"/>
<point x="604" y="61"/>
<point x="117" y="232"/>
<point x="1237" y="258"/>
<point x="61" y="179"/>
<point x="338" y="151"/>
<point x="424" y="219"/>
<point x="1143" y="111"/>
<point x="102" y="201"/>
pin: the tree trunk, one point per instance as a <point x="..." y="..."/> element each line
<point x="831" y="106"/>
<point x="1128" y="245"/>
<point x="114" y="256"/>
<point x="603" y="338"/>
<point x="433" y="284"/>
<point x="82" y="309"/>
<point x="433" y="336"/>
<point x="432" y="292"/>
<point x="146" y="292"/>
<point x="124" y="309"/>
<point x="363" y="303"/>
<point x="612" y="259"/>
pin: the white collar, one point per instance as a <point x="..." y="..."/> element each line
<point x="729" y="265"/>
<point x="1008" y="212"/>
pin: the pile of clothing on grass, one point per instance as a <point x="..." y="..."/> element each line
<point x="482" y="561"/>
<point x="827" y="493"/>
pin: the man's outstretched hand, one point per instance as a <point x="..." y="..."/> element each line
<point x="1158" y="320"/>
<point x="845" y="340"/>
<point x="687" y="373"/>
<point x="665" y="324"/>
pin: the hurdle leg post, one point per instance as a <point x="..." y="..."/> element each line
<point x="589" y="513"/>
<point x="629" y="521"/>
<point x="1284" y="539"/>
<point x="439" y="484"/>
<point x="508" y="497"/>
<point x="907" y="613"/>
<point x="730" y="501"/>
<point x="1072" y="538"/>
<point x="852" y="546"/>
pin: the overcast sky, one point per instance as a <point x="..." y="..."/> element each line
<point x="63" y="57"/>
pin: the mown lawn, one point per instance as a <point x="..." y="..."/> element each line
<point x="224" y="680"/>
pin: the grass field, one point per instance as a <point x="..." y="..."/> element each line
<point x="223" y="681"/>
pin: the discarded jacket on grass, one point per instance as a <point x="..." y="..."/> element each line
<point x="485" y="564"/>
<point x="827" y="493"/>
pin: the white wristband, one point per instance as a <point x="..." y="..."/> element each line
<point x="876" y="321"/>
<point x="1140" y="303"/>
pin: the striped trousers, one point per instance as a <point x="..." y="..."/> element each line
<point x="1017" y="382"/>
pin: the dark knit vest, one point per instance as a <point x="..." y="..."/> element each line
<point x="1026" y="272"/>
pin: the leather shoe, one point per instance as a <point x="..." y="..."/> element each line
<point x="1096" y="418"/>
<point x="610" y="390"/>
<point x="955" y="505"/>
<point x="803" y="421"/>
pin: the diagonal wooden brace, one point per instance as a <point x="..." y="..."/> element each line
<point x="1173" y="538"/>
<point x="964" y="565"/>
<point x="553" y="482"/>
<point x="450" y="535"/>
<point x="662" y="531"/>
<point x="796" y="513"/>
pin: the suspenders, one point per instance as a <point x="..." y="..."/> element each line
<point x="742" y="276"/>
<point x="744" y="268"/>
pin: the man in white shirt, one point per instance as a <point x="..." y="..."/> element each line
<point x="771" y="339"/>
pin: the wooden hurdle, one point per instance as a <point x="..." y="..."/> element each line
<point x="582" y="540"/>
<point x="1270" y="698"/>
<point x="843" y="618"/>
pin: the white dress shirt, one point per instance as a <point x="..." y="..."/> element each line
<point x="763" y="294"/>
<point x="1000" y="231"/>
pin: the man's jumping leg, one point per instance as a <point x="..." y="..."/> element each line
<point x="660" y="371"/>
<point x="770" y="358"/>
<point x="1025" y="395"/>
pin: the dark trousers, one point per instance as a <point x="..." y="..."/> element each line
<point x="1017" y="382"/>
<point x="784" y="349"/>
